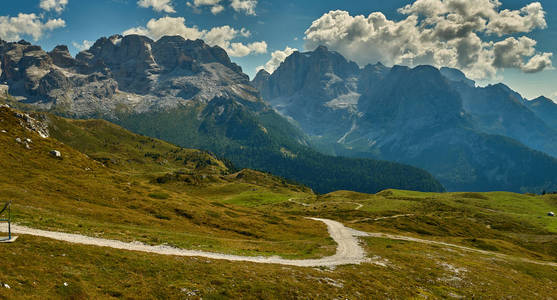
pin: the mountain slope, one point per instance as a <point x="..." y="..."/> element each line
<point x="265" y="142"/>
<point x="127" y="187"/>
<point x="496" y="109"/>
<point x="467" y="137"/>
<point x="545" y="109"/>
<point x="192" y="95"/>
<point x="110" y="183"/>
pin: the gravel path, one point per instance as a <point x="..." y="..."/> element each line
<point x="358" y="205"/>
<point x="429" y="242"/>
<point x="348" y="251"/>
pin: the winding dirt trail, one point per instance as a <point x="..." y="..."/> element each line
<point x="430" y="242"/>
<point x="348" y="251"/>
<point x="358" y="205"/>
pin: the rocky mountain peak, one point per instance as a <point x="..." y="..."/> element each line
<point x="61" y="57"/>
<point x="457" y="76"/>
<point x="260" y="78"/>
<point x="546" y="109"/>
<point x="132" y="72"/>
<point x="310" y="73"/>
<point x="543" y="99"/>
<point x="321" y="49"/>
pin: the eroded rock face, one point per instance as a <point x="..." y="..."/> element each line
<point x="130" y="73"/>
<point x="435" y="119"/>
<point x="61" y="57"/>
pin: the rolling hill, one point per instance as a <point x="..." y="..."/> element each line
<point x="111" y="183"/>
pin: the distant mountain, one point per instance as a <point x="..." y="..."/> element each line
<point x="545" y="109"/>
<point x="469" y="138"/>
<point x="496" y="109"/>
<point x="191" y="94"/>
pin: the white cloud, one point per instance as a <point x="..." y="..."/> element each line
<point x="214" y="5"/>
<point x="244" y="6"/>
<point x="217" y="9"/>
<point x="453" y="33"/>
<point x="524" y="20"/>
<point x="56" y="5"/>
<point x="510" y="53"/>
<point x="157" y="28"/>
<point x="222" y="36"/>
<point x="198" y="3"/>
<point x="158" y="5"/>
<point x="538" y="63"/>
<point x="14" y="28"/>
<point x="277" y="58"/>
<point x="84" y="45"/>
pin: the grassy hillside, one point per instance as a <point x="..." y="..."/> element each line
<point x="268" y="142"/>
<point x="112" y="189"/>
<point x="114" y="184"/>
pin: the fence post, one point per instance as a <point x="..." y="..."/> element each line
<point x="10" y="220"/>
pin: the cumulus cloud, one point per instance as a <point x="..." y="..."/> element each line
<point x="56" y="5"/>
<point x="14" y="28"/>
<point x="84" y="45"/>
<point x="217" y="9"/>
<point x="244" y="6"/>
<point x="157" y="28"/>
<point x="222" y="36"/>
<point x="453" y="33"/>
<point x="510" y="52"/>
<point x="158" y="5"/>
<point x="216" y="6"/>
<point x="277" y="58"/>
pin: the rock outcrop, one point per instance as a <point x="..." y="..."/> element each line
<point x="545" y="109"/>
<point x="191" y="94"/>
<point x="131" y="72"/>
<point x="469" y="137"/>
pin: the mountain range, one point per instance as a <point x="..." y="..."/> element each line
<point x="319" y="119"/>
<point x="468" y="137"/>
<point x="192" y="95"/>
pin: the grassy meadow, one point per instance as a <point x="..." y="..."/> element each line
<point x="113" y="184"/>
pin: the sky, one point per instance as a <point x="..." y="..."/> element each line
<point x="509" y="41"/>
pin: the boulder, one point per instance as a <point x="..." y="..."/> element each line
<point x="56" y="153"/>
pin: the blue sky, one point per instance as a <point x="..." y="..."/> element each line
<point x="282" y="24"/>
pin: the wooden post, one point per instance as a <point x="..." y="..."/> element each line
<point x="10" y="220"/>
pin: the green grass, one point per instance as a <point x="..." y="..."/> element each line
<point x="122" y="199"/>
<point x="35" y="267"/>
<point x="509" y="223"/>
<point x="255" y="198"/>
<point x="113" y="184"/>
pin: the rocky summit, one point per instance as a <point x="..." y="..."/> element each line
<point x="469" y="137"/>
<point x="192" y="95"/>
<point x="131" y="73"/>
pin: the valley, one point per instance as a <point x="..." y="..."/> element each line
<point x="251" y="149"/>
<point x="190" y="94"/>
<point x="470" y="138"/>
<point x="129" y="188"/>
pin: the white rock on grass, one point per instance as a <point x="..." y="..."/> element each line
<point x="56" y="153"/>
